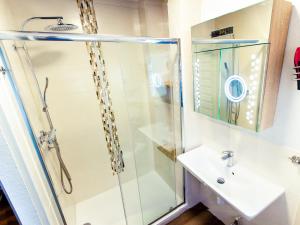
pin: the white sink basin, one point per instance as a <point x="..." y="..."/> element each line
<point x="246" y="191"/>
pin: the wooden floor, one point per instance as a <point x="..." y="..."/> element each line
<point x="7" y="216"/>
<point x="198" y="215"/>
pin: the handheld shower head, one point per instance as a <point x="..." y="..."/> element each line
<point x="60" y="26"/>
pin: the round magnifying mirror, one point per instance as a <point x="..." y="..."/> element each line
<point x="235" y="88"/>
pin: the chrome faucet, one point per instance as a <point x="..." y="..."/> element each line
<point x="228" y="155"/>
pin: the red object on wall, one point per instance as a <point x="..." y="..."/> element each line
<point x="297" y="64"/>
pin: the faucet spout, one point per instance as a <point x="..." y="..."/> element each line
<point x="228" y="155"/>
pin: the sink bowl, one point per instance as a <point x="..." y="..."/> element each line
<point x="246" y="191"/>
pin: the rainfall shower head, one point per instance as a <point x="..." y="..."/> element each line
<point x="60" y="26"/>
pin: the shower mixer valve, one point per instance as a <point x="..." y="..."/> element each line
<point x="48" y="138"/>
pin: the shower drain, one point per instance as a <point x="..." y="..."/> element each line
<point x="87" y="224"/>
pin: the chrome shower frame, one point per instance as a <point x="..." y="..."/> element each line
<point x="79" y="37"/>
<point x="54" y="36"/>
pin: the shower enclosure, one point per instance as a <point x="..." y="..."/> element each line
<point x="145" y="88"/>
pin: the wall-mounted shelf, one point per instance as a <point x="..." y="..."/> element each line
<point x="162" y="137"/>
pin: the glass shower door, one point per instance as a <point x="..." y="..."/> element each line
<point x="146" y="94"/>
<point x="74" y="111"/>
<point x="145" y="83"/>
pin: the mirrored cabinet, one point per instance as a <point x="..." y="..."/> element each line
<point x="237" y="62"/>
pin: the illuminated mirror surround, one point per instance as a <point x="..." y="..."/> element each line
<point x="241" y="43"/>
<point x="230" y="56"/>
<point x="235" y="88"/>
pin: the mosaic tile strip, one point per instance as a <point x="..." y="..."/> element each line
<point x="89" y="25"/>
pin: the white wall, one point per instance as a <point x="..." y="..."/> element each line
<point x="266" y="152"/>
<point x="13" y="183"/>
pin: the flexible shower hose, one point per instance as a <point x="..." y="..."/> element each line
<point x="63" y="170"/>
<point x="62" y="167"/>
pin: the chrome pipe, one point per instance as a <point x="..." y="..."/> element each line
<point x="39" y="18"/>
<point x="53" y="36"/>
<point x="45" y="108"/>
